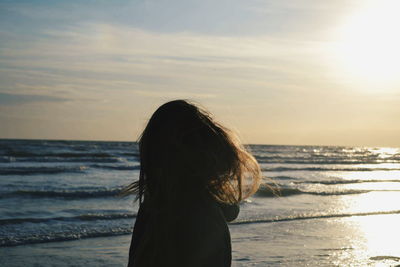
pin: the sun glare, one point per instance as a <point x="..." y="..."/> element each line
<point x="369" y="43"/>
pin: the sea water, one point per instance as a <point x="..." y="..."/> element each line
<point x="336" y="206"/>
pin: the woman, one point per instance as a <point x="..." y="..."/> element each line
<point x="193" y="174"/>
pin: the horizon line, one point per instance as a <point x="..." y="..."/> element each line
<point x="250" y="144"/>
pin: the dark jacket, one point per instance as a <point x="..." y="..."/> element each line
<point x="198" y="237"/>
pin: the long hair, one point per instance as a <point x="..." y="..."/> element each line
<point x="185" y="157"/>
<point x="184" y="153"/>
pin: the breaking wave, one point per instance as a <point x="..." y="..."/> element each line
<point x="264" y="191"/>
<point x="310" y="217"/>
<point x="282" y="169"/>
<point x="41" y="170"/>
<point x="64" y="193"/>
<point x="84" y="217"/>
<point x="62" y="236"/>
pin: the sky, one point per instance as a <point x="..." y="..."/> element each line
<point x="300" y="72"/>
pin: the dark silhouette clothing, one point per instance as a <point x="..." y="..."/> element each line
<point x="198" y="236"/>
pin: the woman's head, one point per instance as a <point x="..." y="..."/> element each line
<point x="184" y="152"/>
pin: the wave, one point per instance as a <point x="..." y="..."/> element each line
<point x="301" y="180"/>
<point x="57" y="237"/>
<point x="330" y="162"/>
<point x="64" y="194"/>
<point x="131" y="154"/>
<point x="264" y="191"/>
<point x="62" y="236"/>
<point x="357" y="181"/>
<point x="336" y="158"/>
<point x="44" y="159"/>
<point x="121" y="167"/>
<point x="84" y="217"/>
<point x="58" y="155"/>
<point x="41" y="170"/>
<point x="283" y="177"/>
<point x="383" y="258"/>
<point x="6" y="159"/>
<point x="282" y="169"/>
<point x="26" y="156"/>
<point x="310" y="217"/>
<point x="62" y="169"/>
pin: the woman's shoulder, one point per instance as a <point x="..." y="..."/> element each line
<point x="230" y="211"/>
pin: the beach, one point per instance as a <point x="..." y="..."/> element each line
<point x="317" y="242"/>
<point x="337" y="206"/>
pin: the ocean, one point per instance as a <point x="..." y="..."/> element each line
<point x="337" y="206"/>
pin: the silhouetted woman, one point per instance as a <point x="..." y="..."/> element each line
<point x="193" y="174"/>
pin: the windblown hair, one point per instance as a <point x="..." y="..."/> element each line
<point x="184" y="153"/>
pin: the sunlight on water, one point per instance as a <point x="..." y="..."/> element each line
<point x="382" y="186"/>
<point x="338" y="206"/>
<point x="376" y="239"/>
<point x="386" y="152"/>
<point x="379" y="236"/>
<point x="371" y="202"/>
<point x="381" y="166"/>
<point x="372" y="239"/>
<point x="375" y="175"/>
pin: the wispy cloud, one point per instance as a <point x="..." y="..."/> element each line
<point x="223" y="17"/>
<point x="17" y="99"/>
<point x="110" y="53"/>
<point x="268" y="65"/>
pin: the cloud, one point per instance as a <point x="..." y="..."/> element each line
<point x="175" y="95"/>
<point x="264" y="64"/>
<point x="17" y="99"/>
<point x="110" y="53"/>
<point x="223" y="17"/>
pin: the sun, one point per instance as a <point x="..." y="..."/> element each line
<point x="368" y="45"/>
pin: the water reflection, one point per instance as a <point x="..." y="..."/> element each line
<point x="385" y="152"/>
<point x="374" y="239"/>
<point x="373" y="175"/>
<point x="370" y="202"/>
